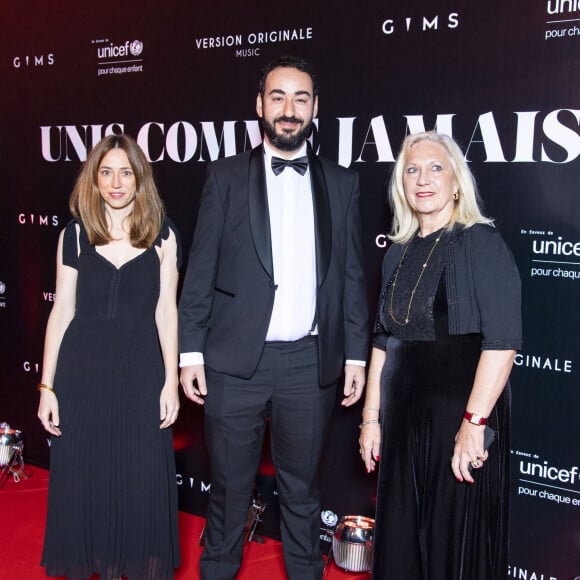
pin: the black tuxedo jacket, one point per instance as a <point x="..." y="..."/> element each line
<point x="228" y="293"/>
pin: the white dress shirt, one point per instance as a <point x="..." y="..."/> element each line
<point x="293" y="250"/>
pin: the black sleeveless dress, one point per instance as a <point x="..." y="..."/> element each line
<point x="112" y="504"/>
<point x="429" y="526"/>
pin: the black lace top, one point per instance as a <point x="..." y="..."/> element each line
<point x="397" y="294"/>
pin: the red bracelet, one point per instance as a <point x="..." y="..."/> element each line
<point x="474" y="418"/>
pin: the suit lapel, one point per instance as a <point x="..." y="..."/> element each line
<point x="258" y="210"/>
<point x="260" y="217"/>
<point x="322" y="216"/>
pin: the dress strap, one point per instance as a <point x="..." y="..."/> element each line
<point x="70" y="245"/>
<point x="168" y="226"/>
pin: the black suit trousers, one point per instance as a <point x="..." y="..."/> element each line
<point x="285" y="388"/>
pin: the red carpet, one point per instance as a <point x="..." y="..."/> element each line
<point x="23" y="510"/>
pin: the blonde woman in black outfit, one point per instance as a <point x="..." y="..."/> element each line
<point x="447" y="330"/>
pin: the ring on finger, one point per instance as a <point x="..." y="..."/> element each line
<point x="476" y="463"/>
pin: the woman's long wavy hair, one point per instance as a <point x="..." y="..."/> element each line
<point x="467" y="209"/>
<point x="86" y="203"/>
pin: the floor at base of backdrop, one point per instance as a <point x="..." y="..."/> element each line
<point x="23" y="511"/>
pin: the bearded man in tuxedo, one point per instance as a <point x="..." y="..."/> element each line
<point x="273" y="312"/>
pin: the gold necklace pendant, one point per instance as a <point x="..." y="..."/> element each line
<point x="391" y="312"/>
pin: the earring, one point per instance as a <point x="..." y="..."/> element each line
<point x="456" y="195"/>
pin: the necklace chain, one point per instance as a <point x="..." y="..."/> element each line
<point x="391" y="312"/>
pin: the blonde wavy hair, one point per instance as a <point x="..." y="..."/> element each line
<point x="87" y="205"/>
<point x="467" y="209"/>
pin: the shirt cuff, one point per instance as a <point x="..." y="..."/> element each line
<point x="187" y="359"/>
<point x="358" y="363"/>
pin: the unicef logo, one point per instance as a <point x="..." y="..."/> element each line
<point x="329" y="518"/>
<point x="136" y="47"/>
<point x="2" y="287"/>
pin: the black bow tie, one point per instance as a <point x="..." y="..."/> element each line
<point x="299" y="164"/>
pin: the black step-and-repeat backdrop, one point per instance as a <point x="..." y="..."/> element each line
<point x="502" y="77"/>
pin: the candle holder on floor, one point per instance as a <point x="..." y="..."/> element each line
<point x="11" y="460"/>
<point x="352" y="544"/>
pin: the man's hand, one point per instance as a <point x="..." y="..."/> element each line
<point x="192" y="380"/>
<point x="354" y="382"/>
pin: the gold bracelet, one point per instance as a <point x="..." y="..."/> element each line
<point x="43" y="386"/>
<point x="369" y="422"/>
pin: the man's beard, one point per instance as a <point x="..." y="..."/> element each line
<point x="285" y="141"/>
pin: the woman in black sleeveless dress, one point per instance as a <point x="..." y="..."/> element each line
<point x="448" y="326"/>
<point x="109" y="382"/>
